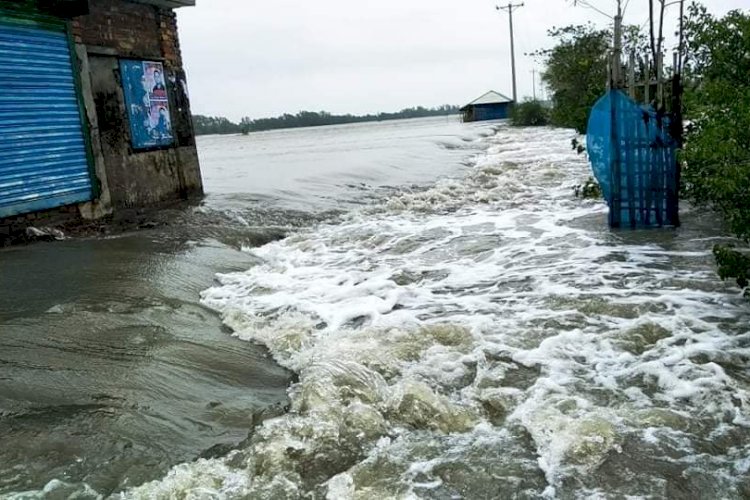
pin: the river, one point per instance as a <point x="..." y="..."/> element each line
<point x="450" y="320"/>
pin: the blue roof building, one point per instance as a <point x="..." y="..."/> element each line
<point x="491" y="106"/>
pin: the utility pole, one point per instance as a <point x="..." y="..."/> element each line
<point x="617" y="80"/>
<point x="533" y="81"/>
<point x="510" y="8"/>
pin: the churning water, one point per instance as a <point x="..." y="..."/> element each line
<point x="483" y="336"/>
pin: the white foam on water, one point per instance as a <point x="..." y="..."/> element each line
<point x="488" y="337"/>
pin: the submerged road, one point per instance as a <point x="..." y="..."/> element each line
<point x="461" y="326"/>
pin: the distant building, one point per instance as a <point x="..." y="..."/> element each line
<point x="94" y="110"/>
<point x="491" y="106"/>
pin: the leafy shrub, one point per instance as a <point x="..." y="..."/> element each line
<point x="589" y="190"/>
<point x="576" y="73"/>
<point x="717" y="147"/>
<point x="529" y="114"/>
<point x="733" y="264"/>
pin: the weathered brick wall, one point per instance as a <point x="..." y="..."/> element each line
<point x="117" y="28"/>
<point x="170" y="42"/>
<point x="126" y="29"/>
<point x="130" y="29"/>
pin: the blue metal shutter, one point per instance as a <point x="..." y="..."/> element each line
<point x="43" y="160"/>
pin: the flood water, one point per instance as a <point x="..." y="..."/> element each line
<point x="460" y="326"/>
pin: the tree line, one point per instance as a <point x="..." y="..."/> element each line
<point x="715" y="158"/>
<point x="205" y="125"/>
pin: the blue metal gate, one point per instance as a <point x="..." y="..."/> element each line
<point x="43" y="154"/>
<point x="634" y="160"/>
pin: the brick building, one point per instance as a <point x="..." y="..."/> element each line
<point x="94" y="109"/>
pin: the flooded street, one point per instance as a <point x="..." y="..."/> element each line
<point x="111" y="371"/>
<point x="460" y="326"/>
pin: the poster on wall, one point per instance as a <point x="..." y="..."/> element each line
<point x="147" y="103"/>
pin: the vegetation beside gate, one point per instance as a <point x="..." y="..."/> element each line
<point x="717" y="146"/>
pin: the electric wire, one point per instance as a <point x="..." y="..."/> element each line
<point x="625" y="8"/>
<point x="586" y="4"/>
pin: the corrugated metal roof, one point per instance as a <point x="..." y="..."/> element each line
<point x="490" y="97"/>
<point x="167" y="4"/>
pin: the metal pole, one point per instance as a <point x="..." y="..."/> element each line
<point x="617" y="63"/>
<point x="512" y="54"/>
<point x="615" y="208"/>
<point x="533" y="80"/>
<point x="659" y="80"/>
<point x="647" y="82"/>
<point x="631" y="74"/>
<point x="510" y="8"/>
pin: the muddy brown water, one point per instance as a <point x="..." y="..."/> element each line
<point x="460" y="324"/>
<point x="111" y="371"/>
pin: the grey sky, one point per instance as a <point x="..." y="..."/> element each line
<point x="252" y="58"/>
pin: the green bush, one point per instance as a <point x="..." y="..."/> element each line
<point x="733" y="265"/>
<point x="716" y="156"/>
<point x="529" y="114"/>
<point x="575" y="73"/>
<point x="589" y="190"/>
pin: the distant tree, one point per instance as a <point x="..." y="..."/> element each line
<point x="245" y="126"/>
<point x="205" y="125"/>
<point x="529" y="114"/>
<point x="219" y="125"/>
<point x="576" y="73"/>
<point x="316" y="119"/>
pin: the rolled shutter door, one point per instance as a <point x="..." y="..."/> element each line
<point x="43" y="159"/>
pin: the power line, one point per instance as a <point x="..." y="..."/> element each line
<point x="625" y="8"/>
<point x="586" y="4"/>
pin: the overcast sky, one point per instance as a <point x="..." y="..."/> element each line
<point x="263" y="58"/>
